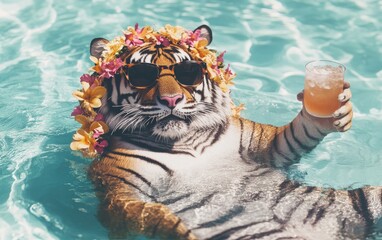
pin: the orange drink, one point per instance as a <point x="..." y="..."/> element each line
<point x="324" y="81"/>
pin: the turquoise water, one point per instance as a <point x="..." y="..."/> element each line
<point x="44" y="191"/>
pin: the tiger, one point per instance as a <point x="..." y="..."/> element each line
<point x="180" y="165"/>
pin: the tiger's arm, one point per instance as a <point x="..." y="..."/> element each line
<point x="123" y="211"/>
<point x="283" y="146"/>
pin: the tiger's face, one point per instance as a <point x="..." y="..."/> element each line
<point x="163" y="91"/>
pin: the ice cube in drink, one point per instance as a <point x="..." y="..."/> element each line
<point x="323" y="83"/>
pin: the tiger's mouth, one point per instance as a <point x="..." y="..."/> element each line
<point x="171" y="122"/>
<point x="171" y="127"/>
<point x="171" y="117"/>
<point x="176" y="114"/>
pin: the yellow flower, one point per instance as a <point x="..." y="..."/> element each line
<point x="97" y="67"/>
<point x="210" y="61"/>
<point x="228" y="76"/>
<point x="82" y="141"/>
<point x="200" y="49"/>
<point x="224" y="78"/>
<point x="146" y="33"/>
<point x="223" y="86"/>
<point x="112" y="48"/>
<point x="173" y="33"/>
<point x="88" y="125"/>
<point x="90" y="97"/>
<point x="136" y="35"/>
<point x="237" y="109"/>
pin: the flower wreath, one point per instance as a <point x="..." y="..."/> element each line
<point x="90" y="137"/>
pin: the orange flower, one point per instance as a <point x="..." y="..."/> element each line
<point x="82" y="141"/>
<point x="136" y="36"/>
<point x="224" y="78"/>
<point x="236" y="109"/>
<point x="89" y="126"/>
<point x="173" y="33"/>
<point x="90" y="97"/>
<point x="97" y="67"/>
<point x="210" y="61"/>
<point x="112" y="48"/>
<point x="200" y="49"/>
<point x="146" y="33"/>
<point x="143" y="33"/>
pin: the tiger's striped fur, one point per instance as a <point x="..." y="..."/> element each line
<point x="196" y="172"/>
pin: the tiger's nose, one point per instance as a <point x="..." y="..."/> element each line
<point x="171" y="101"/>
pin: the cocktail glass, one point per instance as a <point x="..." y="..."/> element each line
<point x="324" y="81"/>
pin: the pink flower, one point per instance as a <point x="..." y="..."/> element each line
<point x="162" y="41"/>
<point x="218" y="65"/>
<point x="228" y="70"/>
<point x="99" y="117"/>
<point x="137" y="28"/>
<point x="110" y="68"/>
<point x="132" y="40"/>
<point x="229" y="75"/>
<point x="192" y="37"/>
<point x="77" y="111"/>
<point x="217" y="70"/>
<point x="215" y="67"/>
<point x="220" y="58"/>
<point x="98" y="132"/>
<point x="132" y="37"/>
<point x="88" y="78"/>
<point x="100" y="145"/>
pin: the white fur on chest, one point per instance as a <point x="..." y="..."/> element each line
<point x="223" y="152"/>
<point x="220" y="158"/>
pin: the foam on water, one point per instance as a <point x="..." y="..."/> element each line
<point x="44" y="193"/>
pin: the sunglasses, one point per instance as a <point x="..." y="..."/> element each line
<point x="145" y="75"/>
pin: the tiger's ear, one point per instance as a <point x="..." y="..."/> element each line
<point x="97" y="46"/>
<point x="205" y="32"/>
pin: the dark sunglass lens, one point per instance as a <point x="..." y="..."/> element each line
<point x="188" y="73"/>
<point x="142" y="75"/>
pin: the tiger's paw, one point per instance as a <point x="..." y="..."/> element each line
<point x="159" y="222"/>
<point x="341" y="119"/>
<point x="344" y="115"/>
<point x="129" y="217"/>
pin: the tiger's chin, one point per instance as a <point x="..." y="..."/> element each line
<point x="171" y="129"/>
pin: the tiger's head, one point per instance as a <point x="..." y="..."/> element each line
<point x="162" y="90"/>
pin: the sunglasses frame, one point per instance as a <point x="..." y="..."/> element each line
<point x="171" y="67"/>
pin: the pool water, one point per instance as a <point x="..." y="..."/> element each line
<point x="44" y="190"/>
